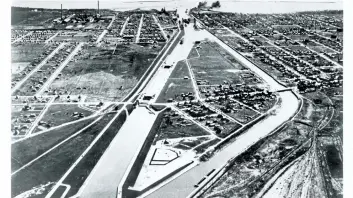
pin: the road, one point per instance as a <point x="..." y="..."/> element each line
<point x="139" y="29"/>
<point x="184" y="185"/>
<point x="160" y="27"/>
<point x="28" y="34"/>
<point x="58" y="70"/>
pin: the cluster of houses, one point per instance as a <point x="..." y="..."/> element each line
<point x="297" y="64"/>
<point x="16" y="34"/>
<point x="19" y="76"/>
<point x="117" y="26"/>
<point x="82" y="20"/>
<point x="87" y="35"/>
<point x="291" y="30"/>
<point x="26" y="100"/>
<point x="204" y="115"/>
<point x="21" y="124"/>
<point x="328" y="42"/>
<point x="317" y="60"/>
<point x="131" y="28"/>
<point x="37" y="80"/>
<point x="167" y="19"/>
<point x="150" y="32"/>
<point x="36" y="36"/>
<point x="252" y="96"/>
<point x="182" y="97"/>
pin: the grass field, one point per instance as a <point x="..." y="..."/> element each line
<point x="178" y="83"/>
<point x="217" y="66"/>
<point x="58" y="114"/>
<point x="80" y="173"/>
<point x="39" y="18"/>
<point x="100" y="73"/>
<point x="24" y="151"/>
<point x="174" y="126"/>
<point x="53" y="165"/>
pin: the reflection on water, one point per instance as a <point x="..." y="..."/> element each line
<point x="245" y="6"/>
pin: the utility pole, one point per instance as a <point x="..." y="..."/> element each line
<point x="61" y="11"/>
<point x="98" y="7"/>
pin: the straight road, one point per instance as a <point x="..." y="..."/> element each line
<point x="160" y="27"/>
<point x="139" y="29"/>
<point x="58" y="70"/>
<point x="28" y="34"/>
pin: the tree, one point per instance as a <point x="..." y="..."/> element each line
<point x="202" y="4"/>
<point x="216" y="4"/>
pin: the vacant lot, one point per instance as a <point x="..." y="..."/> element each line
<point x="105" y="73"/>
<point x="52" y="166"/>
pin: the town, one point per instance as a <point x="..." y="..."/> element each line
<point x="137" y="103"/>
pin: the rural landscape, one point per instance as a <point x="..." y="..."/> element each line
<point x="180" y="102"/>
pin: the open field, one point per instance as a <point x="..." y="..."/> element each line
<point x="215" y="66"/>
<point x="103" y="75"/>
<point x="237" y="111"/>
<point x="173" y="125"/>
<point x="22" y="17"/>
<point x="80" y="173"/>
<point x="27" y="52"/>
<point x="52" y="166"/>
<point x="58" y="114"/>
<point x="179" y="85"/>
<point x="26" y="150"/>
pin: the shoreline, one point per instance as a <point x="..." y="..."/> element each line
<point x="240" y="6"/>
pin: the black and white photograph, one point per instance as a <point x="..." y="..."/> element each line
<point x="176" y="99"/>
